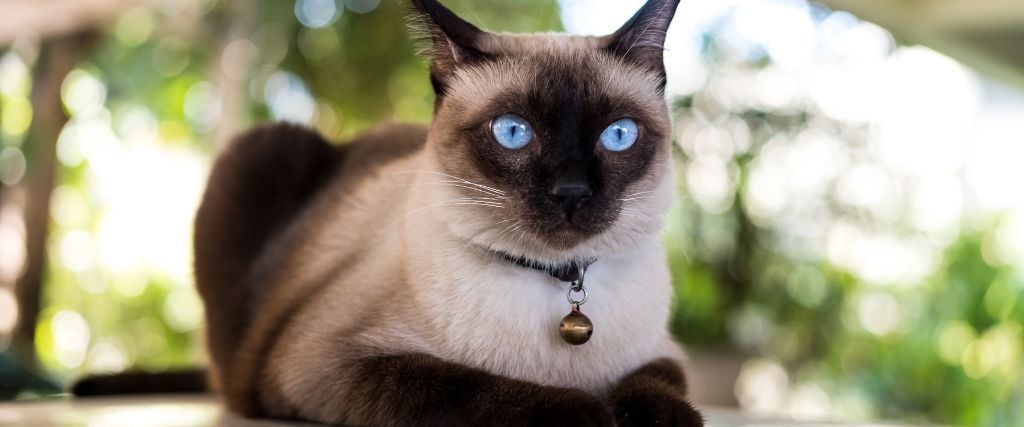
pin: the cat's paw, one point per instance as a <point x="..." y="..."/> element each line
<point x="654" y="407"/>
<point x="569" y="408"/>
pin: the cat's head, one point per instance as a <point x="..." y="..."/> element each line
<point x="563" y="141"/>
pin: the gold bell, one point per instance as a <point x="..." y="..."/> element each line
<point x="576" y="328"/>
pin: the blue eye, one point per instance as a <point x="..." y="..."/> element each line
<point x="619" y="135"/>
<point x="511" y="131"/>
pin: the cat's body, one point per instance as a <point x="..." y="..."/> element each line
<point x="366" y="283"/>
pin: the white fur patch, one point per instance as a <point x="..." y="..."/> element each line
<point x="486" y="313"/>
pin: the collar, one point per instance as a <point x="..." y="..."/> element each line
<point x="567" y="272"/>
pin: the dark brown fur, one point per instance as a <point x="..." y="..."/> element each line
<point x="260" y="182"/>
<point x="654" y="395"/>
<point x="418" y="389"/>
<point x="256" y="186"/>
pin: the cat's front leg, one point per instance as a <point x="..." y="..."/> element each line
<point x="655" y="394"/>
<point x="422" y="390"/>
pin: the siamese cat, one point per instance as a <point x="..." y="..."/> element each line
<point x="416" y="275"/>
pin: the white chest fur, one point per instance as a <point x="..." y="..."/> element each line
<point x="504" y="319"/>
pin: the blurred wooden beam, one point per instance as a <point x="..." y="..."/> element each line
<point x="53" y="18"/>
<point x="936" y="15"/>
<point x="977" y="14"/>
<point x="57" y="57"/>
<point x="964" y="30"/>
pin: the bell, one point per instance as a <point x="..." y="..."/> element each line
<point x="576" y="328"/>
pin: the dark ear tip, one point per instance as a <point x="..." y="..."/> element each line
<point x="422" y="5"/>
<point x="642" y="38"/>
<point x="445" y="20"/>
<point x="450" y="39"/>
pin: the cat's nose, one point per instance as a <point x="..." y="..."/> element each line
<point x="570" y="195"/>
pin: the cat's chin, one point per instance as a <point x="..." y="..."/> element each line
<point x="561" y="246"/>
<point x="545" y="257"/>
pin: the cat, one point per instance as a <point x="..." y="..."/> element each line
<point x="416" y="275"/>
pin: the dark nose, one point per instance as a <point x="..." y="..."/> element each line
<point x="570" y="195"/>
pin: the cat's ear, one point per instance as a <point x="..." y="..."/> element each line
<point x="452" y="41"/>
<point x="641" y="40"/>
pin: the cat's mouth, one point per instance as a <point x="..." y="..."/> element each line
<point x="557" y="233"/>
<point x="554" y="227"/>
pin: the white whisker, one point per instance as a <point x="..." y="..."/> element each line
<point x="463" y="180"/>
<point x="508" y="230"/>
<point x="457" y="184"/>
<point x="639" y="193"/>
<point x="447" y="203"/>
<point x="628" y="199"/>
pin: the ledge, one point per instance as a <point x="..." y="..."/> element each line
<point x="205" y="410"/>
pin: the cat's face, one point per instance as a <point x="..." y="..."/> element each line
<point x="568" y="137"/>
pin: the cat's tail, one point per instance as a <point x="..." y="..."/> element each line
<point x="185" y="381"/>
<point x="257" y="186"/>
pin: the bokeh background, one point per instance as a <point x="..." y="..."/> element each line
<point x="848" y="240"/>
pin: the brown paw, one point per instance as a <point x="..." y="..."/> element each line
<point x="569" y="408"/>
<point x="654" y="407"/>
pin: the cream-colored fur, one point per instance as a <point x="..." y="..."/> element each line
<point x="454" y="301"/>
<point x="415" y="276"/>
<point x="504" y="318"/>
